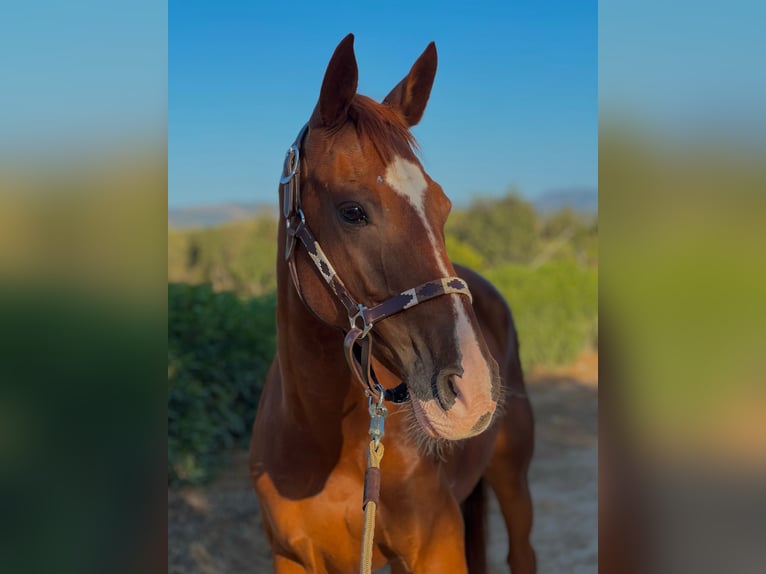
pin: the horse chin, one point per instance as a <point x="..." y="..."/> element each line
<point x="443" y="426"/>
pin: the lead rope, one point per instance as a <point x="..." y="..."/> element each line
<point x="378" y="412"/>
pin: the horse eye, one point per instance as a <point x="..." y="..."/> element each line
<point x="353" y="213"/>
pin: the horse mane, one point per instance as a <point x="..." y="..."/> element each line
<point x="385" y="127"/>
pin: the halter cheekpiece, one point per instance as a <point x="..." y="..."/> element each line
<point x="362" y="319"/>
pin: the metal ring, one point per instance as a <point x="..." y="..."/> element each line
<point x="302" y="216"/>
<point x="291" y="163"/>
<point x="381" y="396"/>
<point x="365" y="328"/>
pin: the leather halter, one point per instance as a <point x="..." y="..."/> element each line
<point x="358" y="340"/>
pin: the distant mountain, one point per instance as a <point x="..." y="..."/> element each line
<point x="579" y="199"/>
<point x="216" y="214"/>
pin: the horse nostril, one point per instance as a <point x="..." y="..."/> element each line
<point x="444" y="388"/>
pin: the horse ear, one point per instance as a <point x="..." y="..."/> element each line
<point x="338" y="86"/>
<point x="410" y="96"/>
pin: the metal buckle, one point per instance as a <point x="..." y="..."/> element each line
<point x="291" y="192"/>
<point x="378" y="412"/>
<point x="365" y="328"/>
<point x="291" y="231"/>
<point x="290" y="181"/>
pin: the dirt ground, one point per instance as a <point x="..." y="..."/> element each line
<point x="216" y="529"/>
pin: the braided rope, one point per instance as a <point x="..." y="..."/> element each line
<point x="374" y="456"/>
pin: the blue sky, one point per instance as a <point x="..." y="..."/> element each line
<point x="684" y="68"/>
<point x="80" y="75"/>
<point x="514" y="101"/>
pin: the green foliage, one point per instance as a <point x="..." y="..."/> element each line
<point x="239" y="257"/>
<point x="555" y="307"/>
<point x="464" y="254"/>
<point x="220" y="347"/>
<point x="570" y="235"/>
<point x="561" y="223"/>
<point x="502" y="230"/>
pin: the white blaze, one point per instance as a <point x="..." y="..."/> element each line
<point x="406" y="178"/>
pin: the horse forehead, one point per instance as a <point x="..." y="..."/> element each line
<point x="346" y="162"/>
<point x="406" y="178"/>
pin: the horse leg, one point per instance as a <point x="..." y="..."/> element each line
<point x="507" y="475"/>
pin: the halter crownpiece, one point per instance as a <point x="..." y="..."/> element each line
<point x="362" y="319"/>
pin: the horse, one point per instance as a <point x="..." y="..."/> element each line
<point x="362" y="259"/>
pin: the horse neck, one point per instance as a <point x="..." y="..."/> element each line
<point x="316" y="383"/>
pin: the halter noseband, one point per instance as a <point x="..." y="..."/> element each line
<point x="358" y="341"/>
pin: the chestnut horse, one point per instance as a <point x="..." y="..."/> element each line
<point x="458" y="414"/>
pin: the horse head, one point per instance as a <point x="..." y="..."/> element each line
<point x="380" y="220"/>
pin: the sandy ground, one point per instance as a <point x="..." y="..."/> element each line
<point x="216" y="529"/>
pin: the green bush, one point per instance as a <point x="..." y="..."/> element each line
<point x="555" y="307"/>
<point x="220" y="347"/>
<point x="464" y="254"/>
<point x="502" y="230"/>
<point x="238" y="256"/>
